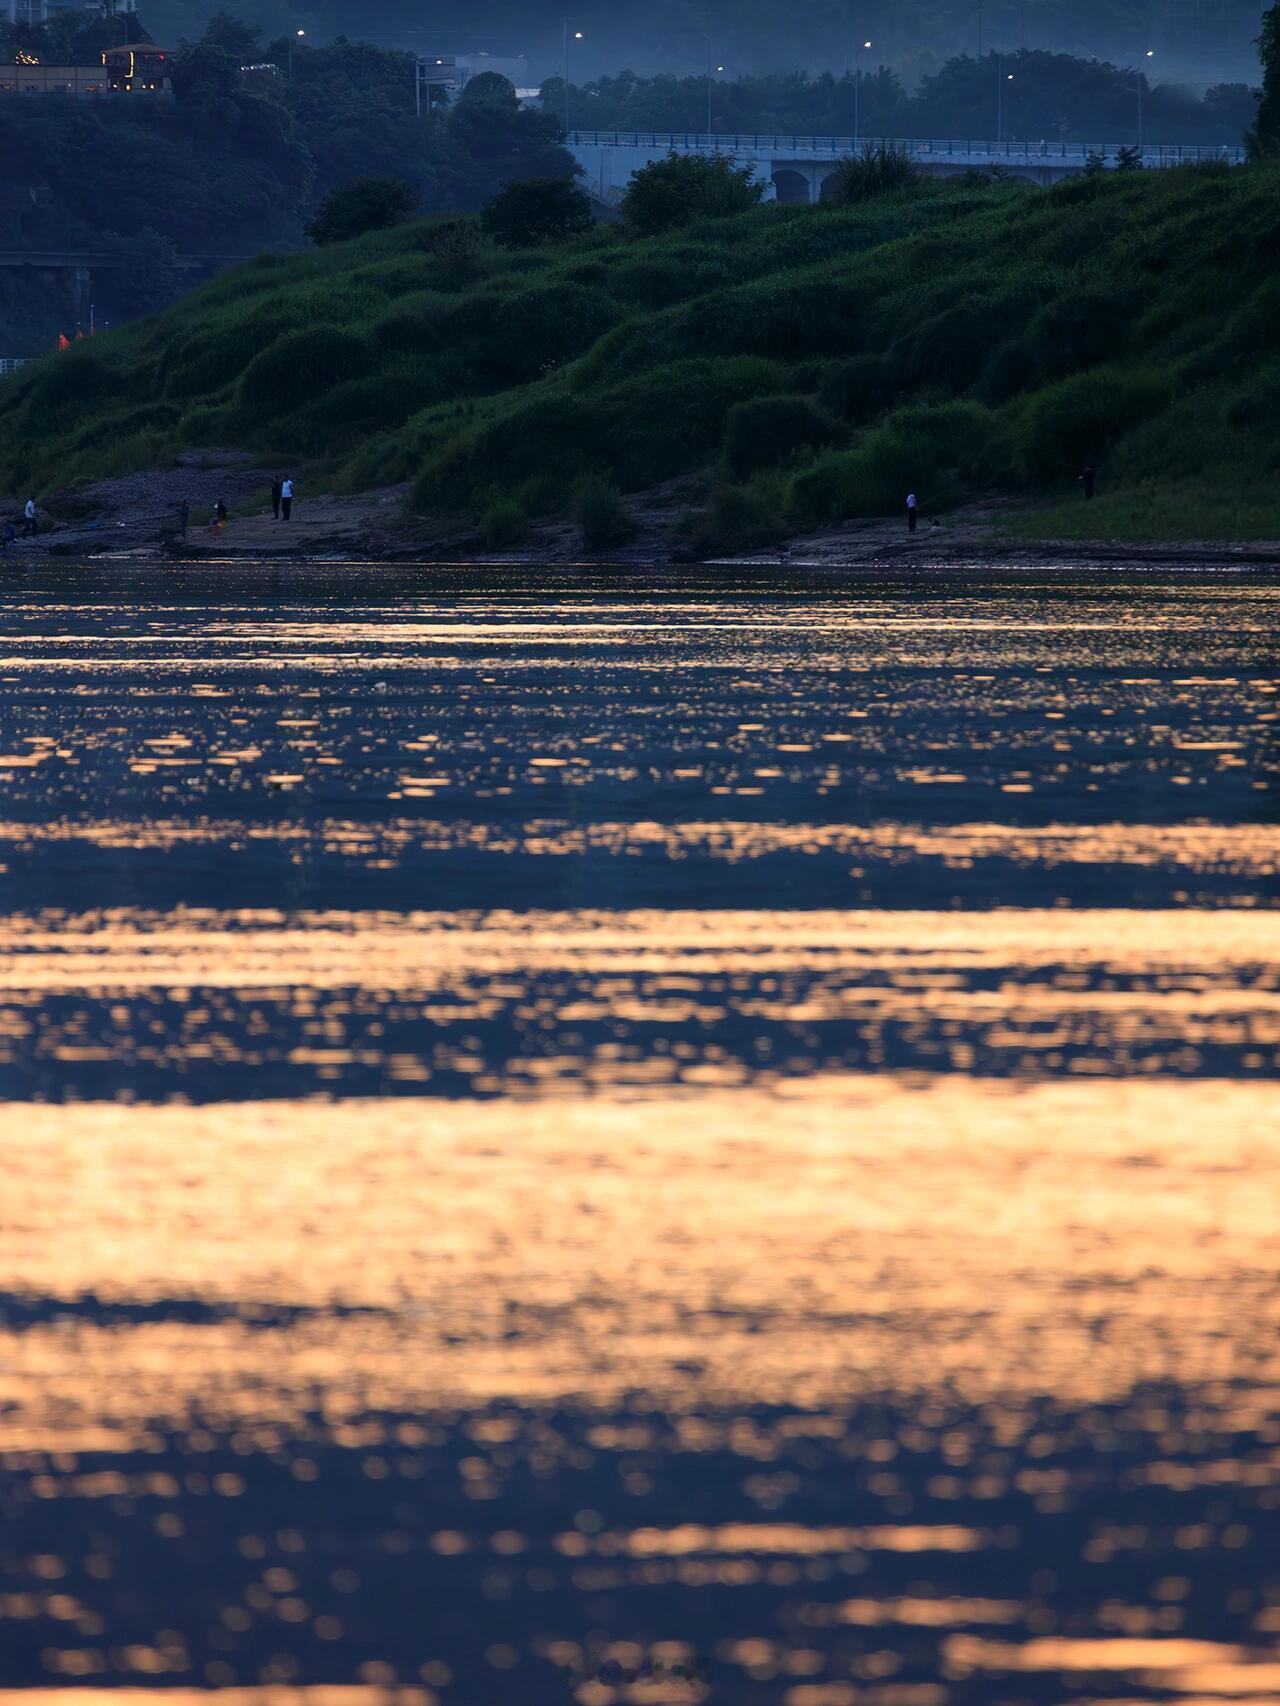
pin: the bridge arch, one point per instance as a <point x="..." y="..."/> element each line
<point x="790" y="185"/>
<point x="827" y="187"/>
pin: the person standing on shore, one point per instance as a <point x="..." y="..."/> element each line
<point x="184" y="516"/>
<point x="1087" y="481"/>
<point x="286" y="498"/>
<point x="277" y="487"/>
<point x="30" y="519"/>
<point x="912" y="512"/>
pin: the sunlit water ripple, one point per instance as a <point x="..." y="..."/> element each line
<point x="653" y="1148"/>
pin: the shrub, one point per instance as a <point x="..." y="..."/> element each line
<point x="1080" y="329"/>
<point x="520" y="444"/>
<point x="413" y="326"/>
<point x="600" y="513"/>
<point x="880" y="169"/>
<point x="537" y="210"/>
<point x="363" y="204"/>
<point x="298" y="366"/>
<point x="765" y="430"/>
<point x="539" y="329"/>
<point x="736" y="518"/>
<point x="672" y="417"/>
<point x="1075" y="420"/>
<point x="503" y="524"/>
<point x="857" y="388"/>
<point x="683" y="187"/>
<point x="651" y="281"/>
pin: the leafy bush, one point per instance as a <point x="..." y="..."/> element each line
<point x="539" y="329"/>
<point x="880" y="169"/>
<point x="1080" y="329"/>
<point x="364" y="204"/>
<point x="1077" y="419"/>
<point x="683" y="187"/>
<point x="736" y="519"/>
<point x="298" y="366"/>
<point x="853" y="390"/>
<point x="601" y="514"/>
<point x="764" y="431"/>
<point x="503" y="524"/>
<point x="537" y="210"/>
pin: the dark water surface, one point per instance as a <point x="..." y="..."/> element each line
<point x="639" y="1143"/>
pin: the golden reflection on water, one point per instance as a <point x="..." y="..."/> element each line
<point x="451" y="1303"/>
<point x="810" y="1246"/>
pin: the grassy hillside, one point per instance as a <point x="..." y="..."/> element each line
<point x="817" y="363"/>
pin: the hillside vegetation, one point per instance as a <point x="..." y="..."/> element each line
<point x="815" y="363"/>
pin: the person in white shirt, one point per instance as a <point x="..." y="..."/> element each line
<point x="911" y="512"/>
<point x="286" y="499"/>
<point x="30" y="520"/>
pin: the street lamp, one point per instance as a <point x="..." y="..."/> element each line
<point x="709" y="71"/>
<point x="577" y="36"/>
<point x="857" y="90"/>
<point x="299" y="33"/>
<point x="1137" y="89"/>
<point x="1002" y="77"/>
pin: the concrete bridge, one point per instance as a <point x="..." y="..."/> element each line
<point x="797" y="167"/>
<point x="74" y="269"/>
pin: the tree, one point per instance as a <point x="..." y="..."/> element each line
<point x="671" y="192"/>
<point x="537" y="210"/>
<point x="242" y="41"/>
<point x="204" y="74"/>
<point x="364" y="204"/>
<point x="1263" y="137"/>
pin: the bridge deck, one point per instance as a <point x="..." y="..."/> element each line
<point x="797" y="146"/>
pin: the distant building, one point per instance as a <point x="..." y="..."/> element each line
<point x="138" y="70"/>
<point x="448" y="74"/>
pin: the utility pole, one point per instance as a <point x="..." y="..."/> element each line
<point x="979" y="29"/>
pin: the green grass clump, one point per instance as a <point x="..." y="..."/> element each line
<point x="601" y="514"/>
<point x="950" y="340"/>
<point x="767" y="430"/>
<point x="503" y="524"/>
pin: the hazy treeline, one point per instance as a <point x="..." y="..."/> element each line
<point x="1041" y="95"/>
<point x="759" y="35"/>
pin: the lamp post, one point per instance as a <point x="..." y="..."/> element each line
<point x="298" y="33"/>
<point x="857" y="89"/>
<point x="710" y="68"/>
<point x="1151" y="53"/>
<point x="1002" y="77"/>
<point x="577" y="36"/>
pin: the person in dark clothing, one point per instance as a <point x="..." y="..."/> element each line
<point x="912" y="512"/>
<point x="277" y="486"/>
<point x="184" y="516"/>
<point x="1087" y="480"/>
<point x="220" y="513"/>
<point x="286" y="499"/>
<point x="7" y="535"/>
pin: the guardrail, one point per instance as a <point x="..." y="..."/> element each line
<point x="797" y="146"/>
<point x="11" y="363"/>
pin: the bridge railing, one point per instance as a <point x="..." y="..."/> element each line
<point x="798" y="146"/>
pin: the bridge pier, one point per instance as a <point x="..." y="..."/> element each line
<point x="81" y="295"/>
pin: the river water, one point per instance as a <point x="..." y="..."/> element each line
<point x="709" y="1142"/>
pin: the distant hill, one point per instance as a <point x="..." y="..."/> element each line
<point x="813" y="363"/>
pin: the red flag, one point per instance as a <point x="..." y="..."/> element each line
<point x="64" y="342"/>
